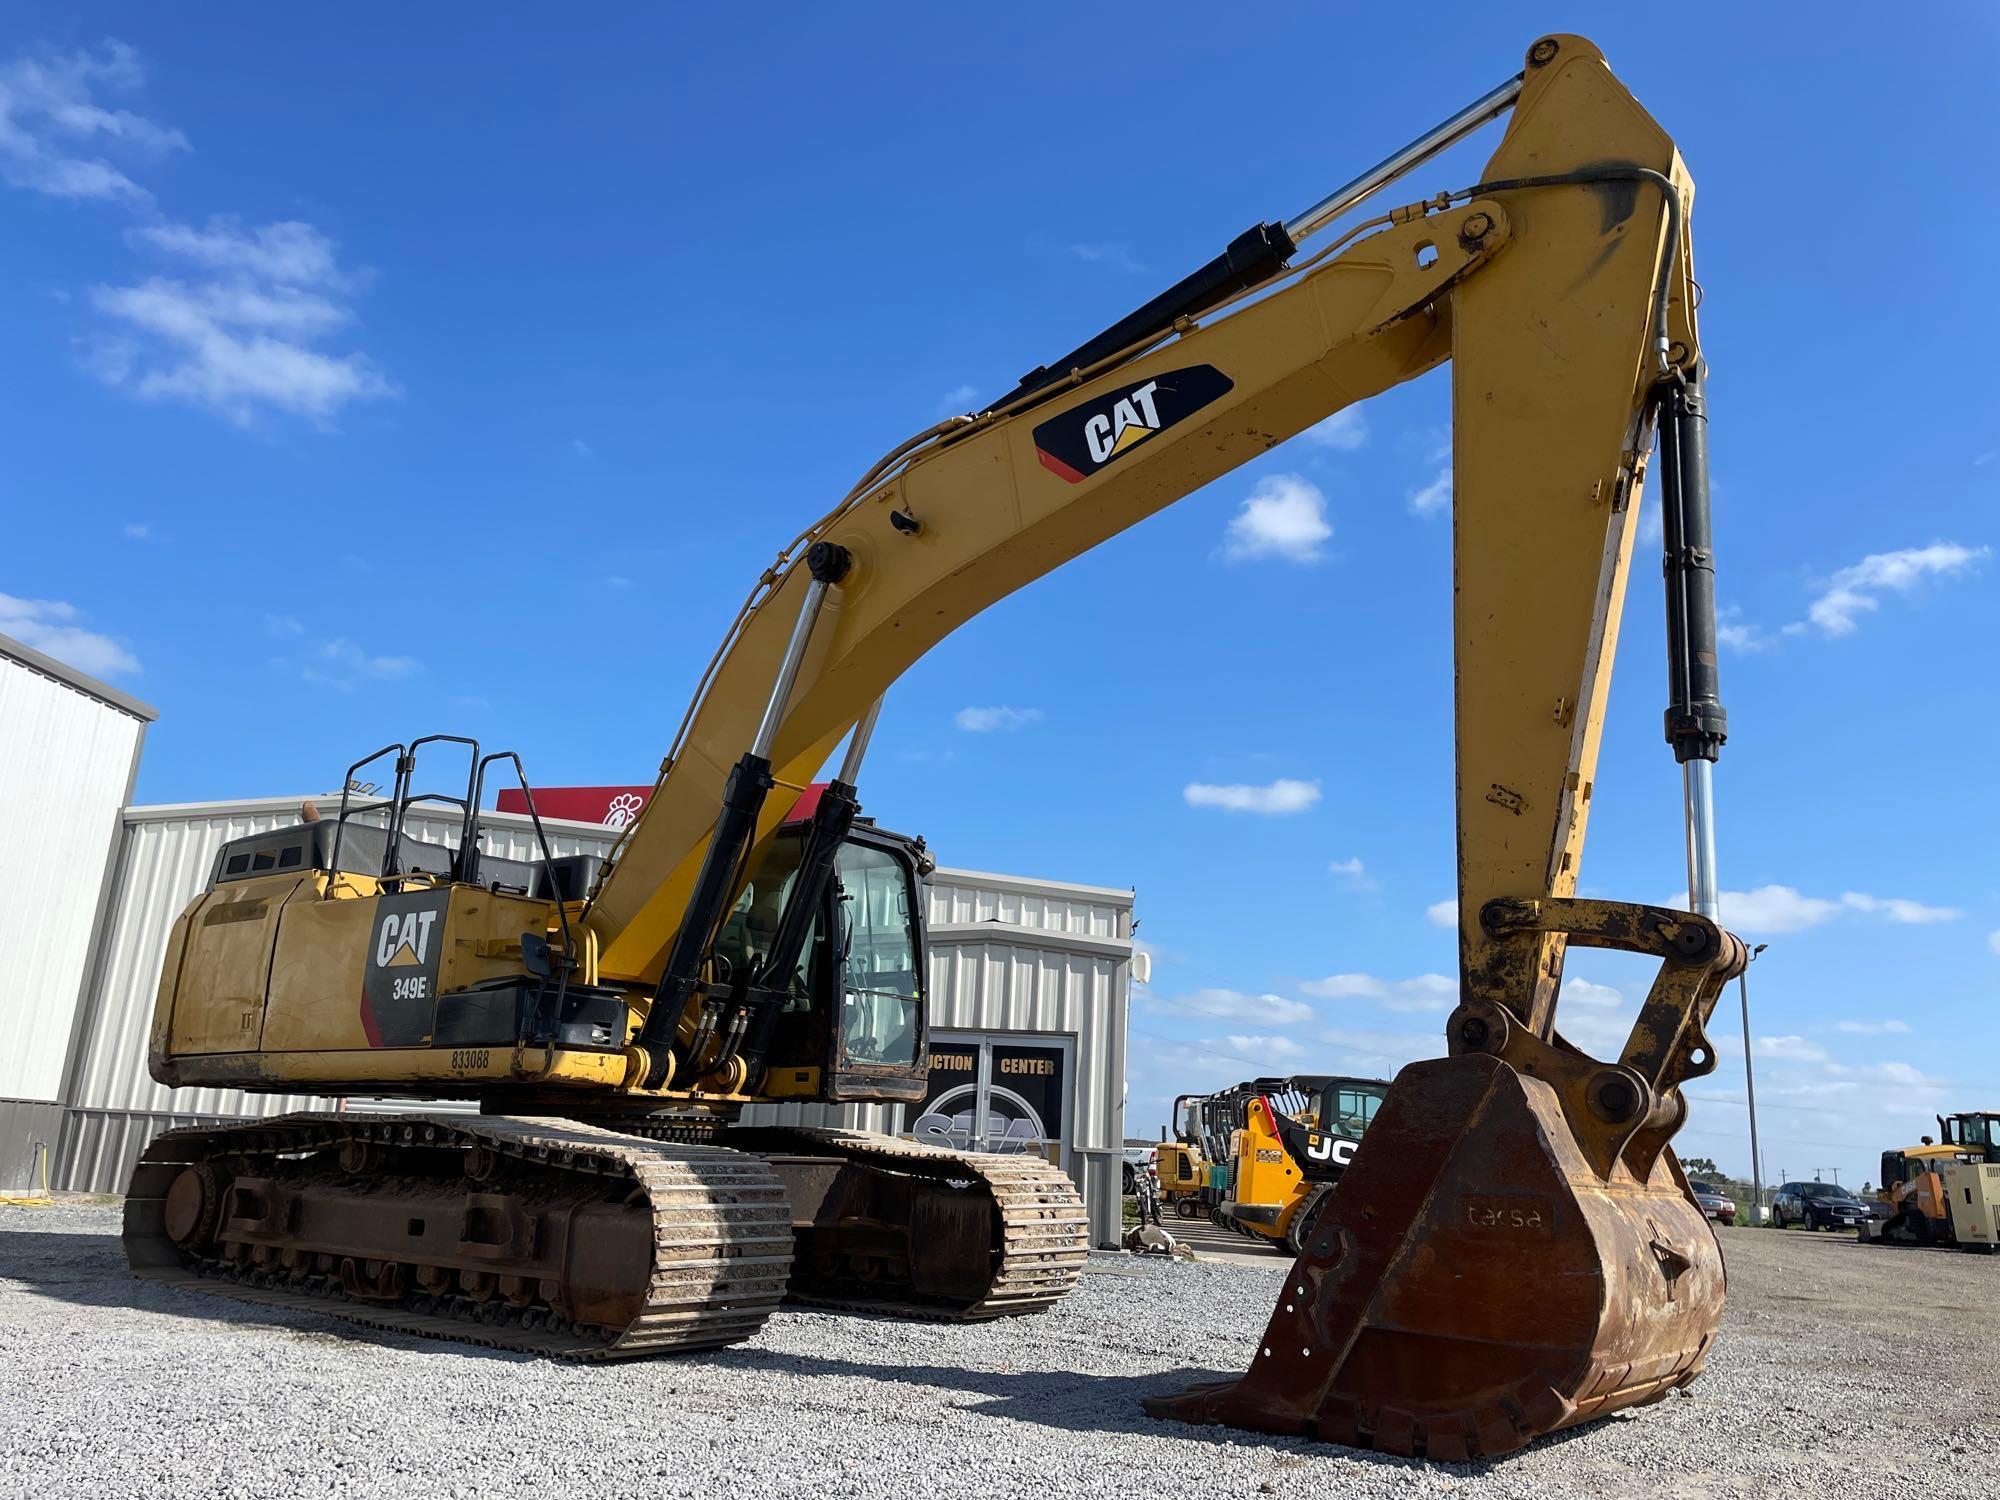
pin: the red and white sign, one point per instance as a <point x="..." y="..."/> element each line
<point x="613" y="806"/>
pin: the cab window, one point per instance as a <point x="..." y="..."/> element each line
<point x="880" y="988"/>
<point x="1353" y="1109"/>
<point x="751" y="927"/>
<point x="1975" y="1130"/>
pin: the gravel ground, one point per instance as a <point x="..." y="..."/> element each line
<point x="1841" y="1370"/>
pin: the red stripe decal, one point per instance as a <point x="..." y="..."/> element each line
<point x="368" y="1020"/>
<point x="1056" y="466"/>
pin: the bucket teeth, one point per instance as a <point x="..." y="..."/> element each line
<point x="1472" y="1284"/>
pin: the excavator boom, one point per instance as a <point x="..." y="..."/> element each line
<point x="1517" y="1249"/>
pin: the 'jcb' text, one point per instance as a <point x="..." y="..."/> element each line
<point x="1327" y="1148"/>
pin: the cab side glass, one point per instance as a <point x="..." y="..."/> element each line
<point x="880" y="986"/>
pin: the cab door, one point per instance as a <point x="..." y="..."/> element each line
<point x="880" y="979"/>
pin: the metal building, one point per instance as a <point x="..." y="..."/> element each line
<point x="69" y="750"/>
<point x="1029" y="985"/>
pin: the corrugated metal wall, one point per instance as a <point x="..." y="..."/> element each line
<point x="1007" y="954"/>
<point x="66" y="763"/>
<point x="959" y="896"/>
<point x="1016" y="955"/>
<point x="28" y="1133"/>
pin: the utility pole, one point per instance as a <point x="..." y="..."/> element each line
<point x="1750" y="1092"/>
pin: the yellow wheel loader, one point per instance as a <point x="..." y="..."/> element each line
<point x="1516" y="1250"/>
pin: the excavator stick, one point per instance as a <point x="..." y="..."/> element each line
<point x="1514" y="1249"/>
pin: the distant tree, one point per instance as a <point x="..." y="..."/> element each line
<point x="1700" y="1166"/>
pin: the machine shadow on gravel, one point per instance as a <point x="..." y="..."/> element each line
<point x="1077" y="1401"/>
<point x="89" y="1270"/>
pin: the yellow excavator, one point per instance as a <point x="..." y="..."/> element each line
<point x="1514" y="1249"/>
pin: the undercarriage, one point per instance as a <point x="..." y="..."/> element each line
<point x="552" y="1236"/>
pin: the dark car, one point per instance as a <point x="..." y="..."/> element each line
<point x="1817" y="1205"/>
<point x="1715" y="1204"/>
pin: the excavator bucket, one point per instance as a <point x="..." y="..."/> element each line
<point x="1473" y="1282"/>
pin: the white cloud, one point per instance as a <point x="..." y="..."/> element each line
<point x="1855" y="591"/>
<point x="958" y="399"/>
<point x="986" y="720"/>
<point x="285" y="254"/>
<point x="1275" y="799"/>
<point x="1872" y="1028"/>
<point x="1993" y="940"/>
<point x="233" y="346"/>
<point x="1433" y="497"/>
<point x="582" y="449"/>
<point x="1285" y="517"/>
<point x="1781" y="908"/>
<point x="283" y="625"/>
<point x="1425" y="992"/>
<point x="1769" y="908"/>
<point x="1442" y="913"/>
<point x="1790" y="1049"/>
<point x="341" y="664"/>
<point x="1260" y="1049"/>
<point x="1898" y="1075"/>
<point x="1595" y="1017"/>
<point x="1584" y="992"/>
<point x="1346" y="987"/>
<point x="1345" y="431"/>
<point x="1898" y="909"/>
<point x="1378" y="1053"/>
<point x="1234" y="1005"/>
<point x="1353" y="873"/>
<point x="52" y="125"/>
<point x="1651" y="527"/>
<point x="138" y="531"/>
<point x="1115" y="256"/>
<point x="1737" y="634"/>
<point x="56" y="628"/>
<point x="236" y="332"/>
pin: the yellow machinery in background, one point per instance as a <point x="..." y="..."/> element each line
<point x="1515" y="1251"/>
<point x="1298" y="1137"/>
<point x="1181" y="1164"/>
<point x="1944" y="1192"/>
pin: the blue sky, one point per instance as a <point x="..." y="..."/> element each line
<point x="395" y="369"/>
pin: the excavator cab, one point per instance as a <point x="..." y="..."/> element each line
<point x="865" y="946"/>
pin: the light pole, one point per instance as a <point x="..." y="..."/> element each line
<point x="1750" y="1092"/>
